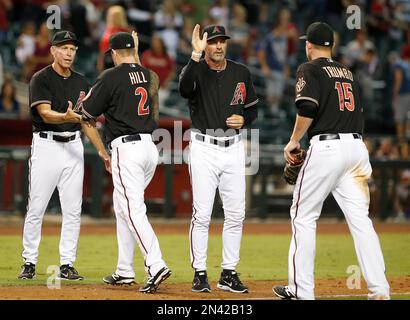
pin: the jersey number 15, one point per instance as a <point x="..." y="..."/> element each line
<point x="142" y="109"/>
<point x="346" y="98"/>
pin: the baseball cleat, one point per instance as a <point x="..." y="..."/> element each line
<point x="230" y="281"/>
<point x="200" y="282"/>
<point x="153" y="282"/>
<point x="283" y="292"/>
<point x="68" y="272"/>
<point x="116" y="279"/>
<point x="28" y="271"/>
<point x="378" y="297"/>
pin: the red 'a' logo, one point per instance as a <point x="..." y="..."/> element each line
<point x="79" y="104"/>
<point x="216" y="30"/>
<point x="239" y="97"/>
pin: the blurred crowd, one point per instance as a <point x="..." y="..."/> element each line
<point x="264" y="36"/>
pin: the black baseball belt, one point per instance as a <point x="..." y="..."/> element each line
<point x="336" y="136"/>
<point x="221" y="143"/>
<point x="129" y="138"/>
<point x="57" y="138"/>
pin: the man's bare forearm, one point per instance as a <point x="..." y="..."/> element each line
<point x="92" y="133"/>
<point x="302" y="124"/>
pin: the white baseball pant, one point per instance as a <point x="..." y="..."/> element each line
<point x="54" y="164"/>
<point x="133" y="166"/>
<point x="340" y="166"/>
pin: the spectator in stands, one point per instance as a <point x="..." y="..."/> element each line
<point x="185" y="47"/>
<point x="157" y="59"/>
<point x="399" y="24"/>
<point x="141" y="15"/>
<point x="273" y="56"/>
<point x="356" y="48"/>
<point x="9" y="107"/>
<point x="168" y="22"/>
<point x="42" y="56"/>
<point x="26" y="43"/>
<point x="378" y="22"/>
<point x="116" y="21"/>
<point x="401" y="93"/>
<point x="387" y="150"/>
<point x="5" y="6"/>
<point x="402" y="194"/>
<point x="239" y="32"/>
<point x="218" y="13"/>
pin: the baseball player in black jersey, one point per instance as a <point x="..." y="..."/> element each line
<point x="56" y="154"/>
<point x="222" y="100"/>
<point x="127" y="95"/>
<point x="337" y="161"/>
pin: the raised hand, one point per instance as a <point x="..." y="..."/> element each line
<point x="198" y="44"/>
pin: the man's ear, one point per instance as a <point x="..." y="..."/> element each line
<point x="53" y="50"/>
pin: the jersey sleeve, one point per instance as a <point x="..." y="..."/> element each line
<point x="39" y="91"/>
<point x="251" y="97"/>
<point x="97" y="99"/>
<point x="307" y="84"/>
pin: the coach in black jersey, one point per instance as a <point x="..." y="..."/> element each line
<point x="56" y="154"/>
<point x="127" y="95"/>
<point x="222" y="100"/>
<point x="337" y="162"/>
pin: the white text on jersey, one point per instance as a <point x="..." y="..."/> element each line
<point x="337" y="72"/>
<point x="137" y="77"/>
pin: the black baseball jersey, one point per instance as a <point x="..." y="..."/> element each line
<point x="214" y="96"/>
<point x="122" y="93"/>
<point x="331" y="86"/>
<point x="48" y="87"/>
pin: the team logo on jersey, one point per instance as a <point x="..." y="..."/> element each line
<point x="79" y="104"/>
<point x="239" y="96"/>
<point x="300" y="84"/>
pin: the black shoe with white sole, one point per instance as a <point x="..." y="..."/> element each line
<point x="116" y="279"/>
<point x="153" y="282"/>
<point x="28" y="271"/>
<point x="68" y="272"/>
<point x="200" y="282"/>
<point x="230" y="281"/>
<point x="284" y="292"/>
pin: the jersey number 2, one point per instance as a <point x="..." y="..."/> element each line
<point x="142" y="109"/>
<point x="346" y="98"/>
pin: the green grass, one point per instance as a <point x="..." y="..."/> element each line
<point x="263" y="257"/>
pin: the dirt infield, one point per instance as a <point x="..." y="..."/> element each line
<point x="258" y="290"/>
<point x="215" y="228"/>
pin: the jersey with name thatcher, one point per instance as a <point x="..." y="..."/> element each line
<point x="48" y="87"/>
<point x="122" y="94"/>
<point x="217" y="95"/>
<point x="332" y="87"/>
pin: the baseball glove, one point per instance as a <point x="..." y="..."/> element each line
<point x="291" y="171"/>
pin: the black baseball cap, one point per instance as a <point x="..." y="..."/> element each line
<point x="215" y="31"/>
<point x="63" y="36"/>
<point x="121" y="40"/>
<point x="319" y="33"/>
